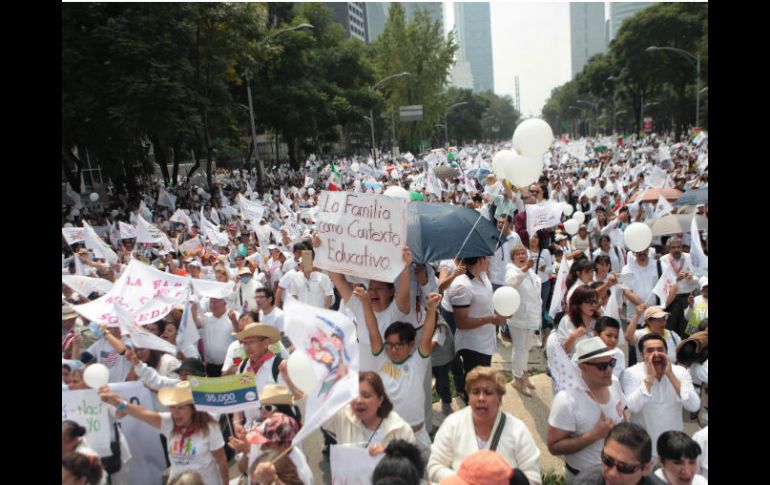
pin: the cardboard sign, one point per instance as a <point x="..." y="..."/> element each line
<point x="73" y="234"/>
<point x="87" y="409"/>
<point x="543" y="216"/>
<point x="351" y="464"/>
<point x="361" y="234"/>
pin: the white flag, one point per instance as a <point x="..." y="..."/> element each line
<point x="85" y="285"/>
<point x="72" y="234"/>
<point x="144" y="211"/>
<point x="561" y="287"/>
<point x="662" y="207"/>
<point x="127" y="231"/>
<point x="664" y="286"/>
<point x="180" y="216"/>
<point x="147" y="233"/>
<point x="215" y="216"/>
<point x="251" y="211"/>
<point x="187" y="336"/>
<point x="140" y="336"/>
<point x="95" y="244"/>
<point x="212" y="232"/>
<point x="213" y="289"/>
<point x="166" y="199"/>
<point x="698" y="259"/>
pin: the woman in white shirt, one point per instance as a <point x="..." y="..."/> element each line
<point x="605" y="248"/>
<point x="579" y="322"/>
<point x="526" y="320"/>
<point x="543" y="267"/>
<point x="471" y="298"/>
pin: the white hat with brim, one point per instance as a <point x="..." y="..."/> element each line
<point x="258" y="330"/>
<point x="276" y="394"/>
<point x="592" y="348"/>
<point x="178" y="395"/>
<point x="67" y="313"/>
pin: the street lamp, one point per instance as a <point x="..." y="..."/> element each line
<point x="371" y="113"/>
<point x="690" y="57"/>
<point x="446" y="121"/>
<point x="260" y="166"/>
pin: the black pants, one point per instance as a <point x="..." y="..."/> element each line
<point x="472" y="359"/>
<point x="676" y="320"/>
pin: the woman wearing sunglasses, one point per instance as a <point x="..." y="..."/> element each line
<point x="582" y="415"/>
<point x="579" y="322"/>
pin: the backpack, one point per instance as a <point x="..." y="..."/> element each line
<point x="276" y="362"/>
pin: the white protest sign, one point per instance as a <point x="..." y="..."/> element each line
<point x="147" y="233"/>
<point x="147" y="293"/>
<point x="180" y="216"/>
<point x="166" y="199"/>
<point x="141" y="337"/>
<point x="213" y="289"/>
<point x="560" y="289"/>
<point x="127" y="231"/>
<point x="85" y="285"/>
<point x="351" y="464"/>
<point x="662" y="207"/>
<point x="250" y="210"/>
<point x="95" y="244"/>
<point x="698" y="259"/>
<point x="657" y="178"/>
<point x="334" y="359"/>
<point x="87" y="409"/>
<point x="361" y="234"/>
<point x="73" y="235"/>
<point x="147" y="461"/>
<point x="664" y="286"/>
<point x="212" y="232"/>
<point x="543" y="216"/>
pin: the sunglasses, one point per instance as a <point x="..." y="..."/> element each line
<point x="603" y="365"/>
<point x="610" y="462"/>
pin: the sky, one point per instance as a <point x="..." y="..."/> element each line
<point x="531" y="40"/>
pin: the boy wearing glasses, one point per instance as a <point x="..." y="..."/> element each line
<point x="626" y="459"/>
<point x="583" y="414"/>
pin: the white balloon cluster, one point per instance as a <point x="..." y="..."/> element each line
<point x="397" y="192"/>
<point x="637" y="236"/>
<point x="523" y="165"/>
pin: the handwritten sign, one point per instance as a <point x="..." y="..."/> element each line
<point x="226" y="394"/>
<point x="543" y="216"/>
<point x="361" y="234"/>
<point x="351" y="464"/>
<point x="73" y="234"/>
<point x="85" y="408"/>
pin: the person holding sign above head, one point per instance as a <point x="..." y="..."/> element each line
<point x="194" y="438"/>
<point x="401" y="368"/>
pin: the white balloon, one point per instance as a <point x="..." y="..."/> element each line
<point x="394" y="174"/>
<point x="397" y="192"/>
<point x="571" y="226"/>
<point x="96" y="375"/>
<point x="568" y="209"/>
<point x="311" y="191"/>
<point x="506" y="301"/>
<point x="579" y="216"/>
<point x="590" y="192"/>
<point x="532" y="137"/>
<point x="301" y="371"/>
<point x="522" y="171"/>
<point x="637" y="236"/>
<point x="94" y="196"/>
<point x="355" y="167"/>
<point x="501" y="161"/>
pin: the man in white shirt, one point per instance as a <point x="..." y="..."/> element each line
<point x="310" y="287"/>
<point x="246" y="290"/>
<point x="582" y="417"/>
<point x="217" y="325"/>
<point x="656" y="390"/>
<point x="681" y="265"/>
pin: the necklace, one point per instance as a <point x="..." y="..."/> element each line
<point x="373" y="433"/>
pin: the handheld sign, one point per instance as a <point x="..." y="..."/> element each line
<point x="226" y="394"/>
<point x="361" y="234"/>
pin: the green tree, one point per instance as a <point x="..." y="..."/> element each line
<point x="464" y="122"/>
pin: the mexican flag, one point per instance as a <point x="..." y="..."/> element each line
<point x="334" y="183"/>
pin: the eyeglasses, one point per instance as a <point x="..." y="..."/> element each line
<point x="623" y="468"/>
<point x="602" y="366"/>
<point x="397" y="346"/>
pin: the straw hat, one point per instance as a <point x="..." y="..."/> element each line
<point x="178" y="395"/>
<point x="276" y="394"/>
<point x="258" y="330"/>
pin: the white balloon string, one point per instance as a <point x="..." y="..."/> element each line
<point x="468" y="236"/>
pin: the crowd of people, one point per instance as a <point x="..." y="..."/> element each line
<point x="615" y="418"/>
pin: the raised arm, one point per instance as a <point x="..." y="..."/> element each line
<point x="141" y="413"/>
<point x="633" y="323"/>
<point x="404" y="286"/>
<point x="430" y="324"/>
<point x="375" y="339"/>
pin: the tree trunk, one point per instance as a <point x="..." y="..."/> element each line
<point x="293" y="153"/>
<point x="69" y="158"/>
<point x="175" y="163"/>
<point x="161" y="151"/>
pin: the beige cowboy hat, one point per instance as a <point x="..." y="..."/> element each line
<point x="258" y="330"/>
<point x="178" y="395"/>
<point x="276" y="394"/>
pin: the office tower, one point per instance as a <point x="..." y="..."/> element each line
<point x="588" y="33"/>
<point x="460" y="76"/>
<point x="377" y="14"/>
<point x="474" y="36"/>
<point x="352" y="16"/>
<point x="620" y="11"/>
<point x="435" y="11"/>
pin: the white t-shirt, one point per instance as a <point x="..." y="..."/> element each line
<point x="575" y="411"/>
<point x="696" y="480"/>
<point x="106" y="354"/>
<point x="702" y="438"/>
<point x="476" y="294"/>
<point x="193" y="453"/>
<point x="450" y="266"/>
<point x="274" y="318"/>
<point x="643" y="282"/>
<point x="404" y="384"/>
<point x="312" y="291"/>
<point x="566" y="327"/>
<point x="234" y="351"/>
<point x="385" y="318"/>
<point x="545" y="260"/>
<point x="216" y="335"/>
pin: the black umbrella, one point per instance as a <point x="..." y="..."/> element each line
<point x="442" y="231"/>
<point x="694" y="197"/>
